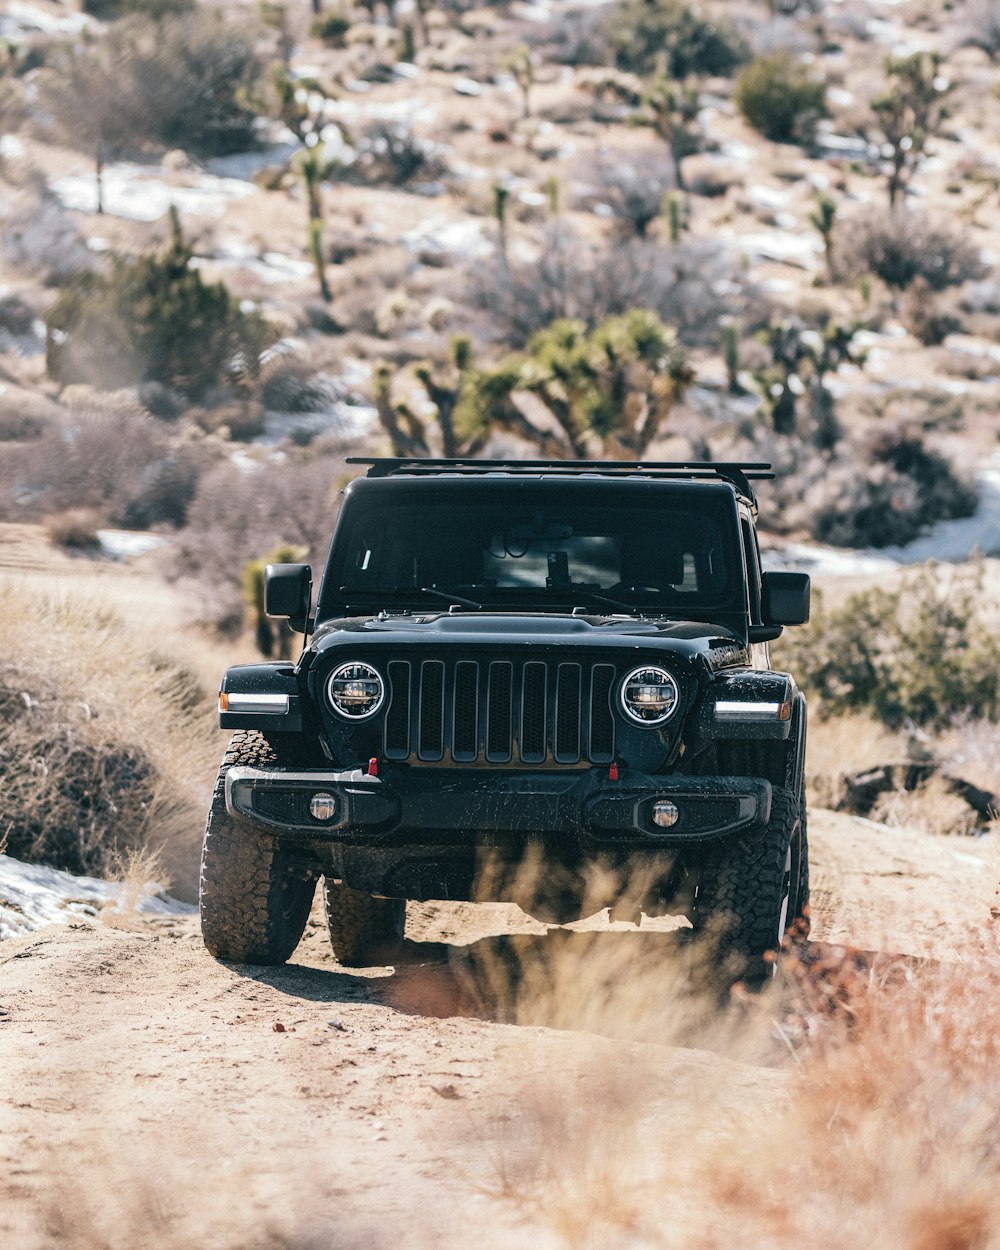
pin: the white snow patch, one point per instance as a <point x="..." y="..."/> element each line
<point x="947" y="541"/>
<point x="24" y="19"/>
<point x="244" y="165"/>
<point x="125" y="544"/>
<point x="786" y="249"/>
<point x="445" y="237"/>
<point x="140" y="193"/>
<point x="32" y="895"/>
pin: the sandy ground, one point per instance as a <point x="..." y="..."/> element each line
<point x="147" y="1087"/>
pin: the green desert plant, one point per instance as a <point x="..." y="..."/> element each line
<point x="153" y="318"/>
<point x="675" y="37"/>
<point x="922" y="652"/>
<point x="908" y="113"/>
<point x="779" y="96"/>
<point x="609" y="392"/>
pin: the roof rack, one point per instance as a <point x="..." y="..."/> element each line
<point x="738" y="473"/>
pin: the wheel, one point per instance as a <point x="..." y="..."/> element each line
<point x="744" y="897"/>
<point x="364" y="930"/>
<point x="254" y="905"/>
<point x="798" y="894"/>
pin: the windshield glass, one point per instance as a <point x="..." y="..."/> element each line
<point x="538" y="549"/>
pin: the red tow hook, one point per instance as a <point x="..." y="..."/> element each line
<point x="613" y="773"/>
<point x="373" y="766"/>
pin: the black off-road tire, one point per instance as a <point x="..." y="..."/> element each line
<point x="254" y="903"/>
<point x="798" y="895"/>
<point x="744" y="894"/>
<point x="364" y="930"/>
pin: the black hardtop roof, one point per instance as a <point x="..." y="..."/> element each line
<point x="735" y="476"/>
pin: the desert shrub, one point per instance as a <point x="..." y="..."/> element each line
<point x="106" y="737"/>
<point x="674" y="35"/>
<point x="25" y="416"/>
<point x="692" y="286"/>
<point x="983" y="27"/>
<point x="74" y="529"/>
<point x="16" y="316"/>
<point x="900" y="246"/>
<point x="922" y="652"/>
<point x="331" y="28"/>
<point x="390" y="152"/>
<point x="119" y="463"/>
<point x="152" y="318"/>
<point x="925" y="318"/>
<point x="112" y="10"/>
<point x="75" y="798"/>
<point x="196" y="79"/>
<point x="889" y="492"/>
<point x="239" y="514"/>
<point x="293" y="381"/>
<point x="40" y="237"/>
<point x="185" y="82"/>
<point x="778" y="95"/>
<point x="632" y="187"/>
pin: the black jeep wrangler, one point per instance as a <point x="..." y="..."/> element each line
<point x="562" y="665"/>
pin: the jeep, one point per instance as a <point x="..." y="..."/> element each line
<point x="530" y="681"/>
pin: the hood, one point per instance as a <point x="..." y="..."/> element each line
<point x="715" y="645"/>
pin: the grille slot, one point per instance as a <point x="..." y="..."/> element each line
<point x="602" y="722"/>
<point x="533" y="705"/>
<point x="397" y="719"/>
<point x="567" y="736"/>
<point x="465" y="733"/>
<point x="431" y="730"/>
<point x="498" y="714"/>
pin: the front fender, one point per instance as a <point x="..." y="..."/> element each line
<point x="261" y="696"/>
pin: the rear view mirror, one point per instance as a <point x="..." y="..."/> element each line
<point x="785" y="598"/>
<point x="288" y="593"/>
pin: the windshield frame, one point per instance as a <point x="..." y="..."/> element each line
<point x="365" y="497"/>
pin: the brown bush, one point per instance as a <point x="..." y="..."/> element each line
<point x="106" y="742"/>
<point x="75" y="529"/>
<point x="239" y="514"/>
<point x="125" y="468"/>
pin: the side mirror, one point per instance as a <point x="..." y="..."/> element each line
<point x="784" y="598"/>
<point x="288" y="593"/>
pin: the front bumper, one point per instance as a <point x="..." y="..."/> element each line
<point x="472" y="807"/>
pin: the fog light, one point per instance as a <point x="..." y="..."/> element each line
<point x="323" y="806"/>
<point x="665" y="813"/>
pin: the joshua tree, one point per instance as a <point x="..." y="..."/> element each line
<point x="670" y="108"/>
<point x="823" y="218"/>
<point x="801" y="358"/>
<point x="314" y="169"/>
<point x="500" y="197"/>
<point x="908" y="113"/>
<point x="521" y="66"/>
<point x="609" y="392"/>
<point x="673" y="113"/>
<point x="460" y="427"/>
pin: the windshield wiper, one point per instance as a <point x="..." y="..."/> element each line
<point x="592" y="596"/>
<point x="406" y="593"/>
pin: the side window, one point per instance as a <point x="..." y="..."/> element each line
<point x="751" y="553"/>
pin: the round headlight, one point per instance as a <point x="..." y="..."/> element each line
<point x="649" y="696"/>
<point x="355" y="691"/>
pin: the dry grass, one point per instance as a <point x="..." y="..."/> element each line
<point x="108" y="738"/>
<point x="886" y="1132"/>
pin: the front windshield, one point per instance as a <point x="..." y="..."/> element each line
<point x="536" y="549"/>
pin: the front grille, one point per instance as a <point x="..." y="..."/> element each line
<point x="500" y="712"/>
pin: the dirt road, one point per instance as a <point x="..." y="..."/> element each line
<point x="152" y="1096"/>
